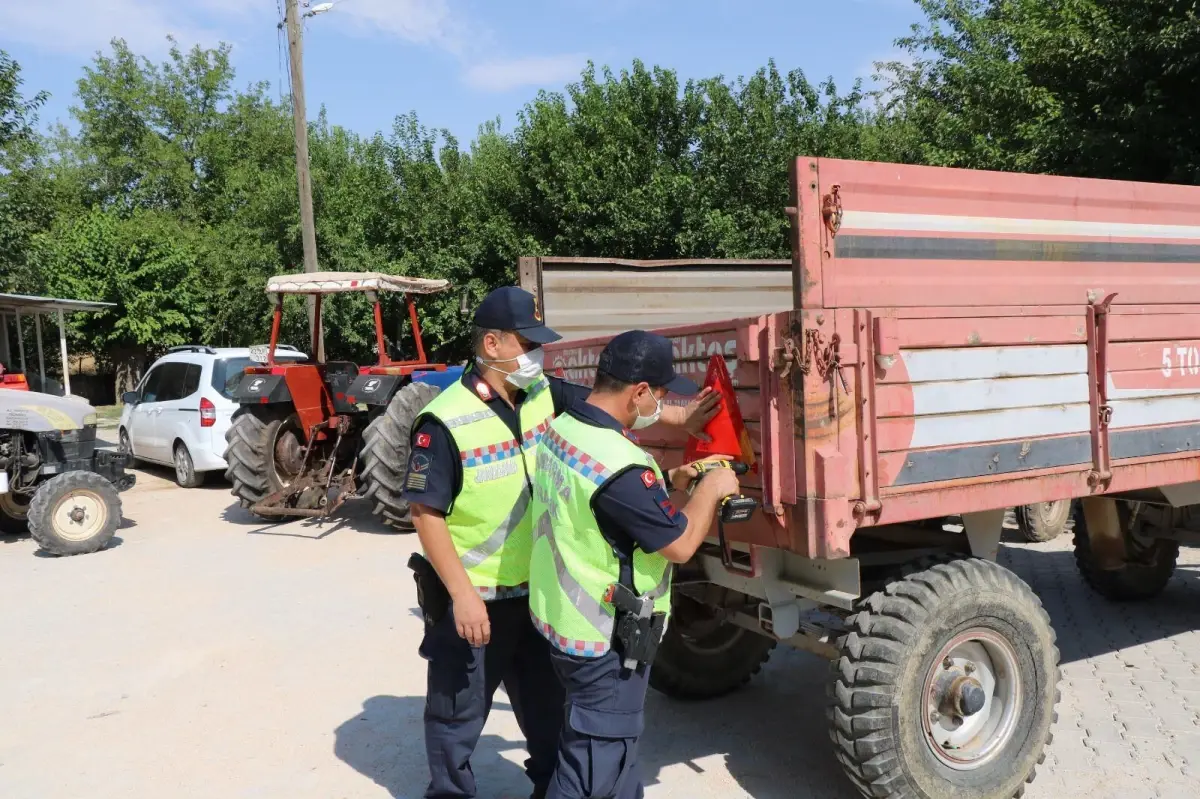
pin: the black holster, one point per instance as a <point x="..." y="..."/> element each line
<point x="638" y="629"/>
<point x="432" y="596"/>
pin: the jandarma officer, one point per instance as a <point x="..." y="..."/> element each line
<point x="469" y="482"/>
<point x="605" y="537"/>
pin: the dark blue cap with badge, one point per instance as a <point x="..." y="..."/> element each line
<point x="641" y="357"/>
<point x="515" y="309"/>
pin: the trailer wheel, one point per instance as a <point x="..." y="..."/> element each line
<point x="1150" y="565"/>
<point x="261" y="454"/>
<point x="703" y="657"/>
<point x="945" y="686"/>
<point x="386" y="447"/>
<point x="74" y="513"/>
<point x="14" y="514"/>
<point x="1043" y="521"/>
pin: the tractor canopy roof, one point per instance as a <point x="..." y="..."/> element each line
<point x="338" y="282"/>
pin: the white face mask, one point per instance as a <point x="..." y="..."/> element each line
<point x="645" y="421"/>
<point x="528" y="371"/>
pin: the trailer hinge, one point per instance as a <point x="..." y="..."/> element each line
<point x="1101" y="473"/>
<point x="831" y="210"/>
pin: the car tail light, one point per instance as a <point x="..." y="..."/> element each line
<point x="208" y="412"/>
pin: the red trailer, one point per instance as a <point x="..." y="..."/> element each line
<point x="942" y="343"/>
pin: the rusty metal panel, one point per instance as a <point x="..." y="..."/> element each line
<point x="587" y="297"/>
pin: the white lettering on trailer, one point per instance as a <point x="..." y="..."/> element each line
<point x="1180" y="361"/>
<point x="691" y="358"/>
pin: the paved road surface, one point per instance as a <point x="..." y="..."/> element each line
<point x="207" y="655"/>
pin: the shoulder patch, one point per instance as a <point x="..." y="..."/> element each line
<point x="483" y="390"/>
<point x="649" y="479"/>
<point x="423" y="440"/>
<point x="416" y="481"/>
<point x="420" y="462"/>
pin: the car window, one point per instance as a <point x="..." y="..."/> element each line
<point x="171" y="384"/>
<point x="151" y="385"/>
<point x="191" y="379"/>
<point x="227" y="372"/>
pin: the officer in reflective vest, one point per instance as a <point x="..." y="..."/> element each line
<point x="605" y="538"/>
<point x="469" y="483"/>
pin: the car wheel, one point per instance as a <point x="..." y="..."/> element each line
<point x="185" y="470"/>
<point x="125" y="446"/>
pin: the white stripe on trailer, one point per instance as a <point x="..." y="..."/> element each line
<point x="1005" y="425"/>
<point x="1155" y="411"/>
<point x="936" y="223"/>
<point x="966" y="396"/>
<point x="976" y="363"/>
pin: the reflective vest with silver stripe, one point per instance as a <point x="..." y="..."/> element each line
<point x="573" y="565"/>
<point x="490" y="521"/>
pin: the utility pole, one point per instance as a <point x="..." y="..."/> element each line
<point x="308" y="234"/>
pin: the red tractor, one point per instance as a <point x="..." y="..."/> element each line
<point x="310" y="434"/>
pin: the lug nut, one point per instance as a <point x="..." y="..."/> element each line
<point x="970" y="668"/>
<point x="947" y="663"/>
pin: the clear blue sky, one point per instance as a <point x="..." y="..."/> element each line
<point x="458" y="62"/>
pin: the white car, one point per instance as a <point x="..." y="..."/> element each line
<point x="181" y="409"/>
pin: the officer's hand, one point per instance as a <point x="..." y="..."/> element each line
<point x="723" y="481"/>
<point x="471" y="619"/>
<point x="700" y="411"/>
<point x="681" y="477"/>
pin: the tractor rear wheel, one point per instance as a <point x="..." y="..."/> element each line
<point x="386" y="446"/>
<point x="14" y="514"/>
<point x="264" y="453"/>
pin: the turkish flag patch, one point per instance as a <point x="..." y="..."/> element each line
<point x="649" y="479"/>
<point x="423" y="440"/>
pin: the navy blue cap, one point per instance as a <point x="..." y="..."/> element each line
<point x="641" y="357"/>
<point x="515" y="309"/>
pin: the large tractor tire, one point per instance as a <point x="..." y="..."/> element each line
<point x="74" y="513"/>
<point x="264" y="452"/>
<point x="14" y="514"/>
<point x="387" y="443"/>
<point x="703" y="657"/>
<point x="1148" y="568"/>
<point x="945" y="686"/>
<point x="1043" y="521"/>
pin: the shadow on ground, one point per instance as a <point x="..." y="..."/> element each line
<point x="385" y="741"/>
<point x="352" y="517"/>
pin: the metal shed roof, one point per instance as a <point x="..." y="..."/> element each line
<point x="25" y="303"/>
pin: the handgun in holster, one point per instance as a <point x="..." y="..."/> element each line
<point x="638" y="628"/>
<point x="432" y="596"/>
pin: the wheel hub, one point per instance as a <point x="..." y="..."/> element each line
<point x="79" y="515"/>
<point x="972" y="695"/>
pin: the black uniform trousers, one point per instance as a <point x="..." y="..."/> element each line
<point x="462" y="681"/>
<point x="597" y="755"/>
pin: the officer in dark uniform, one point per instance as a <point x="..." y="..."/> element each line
<point x="605" y="537"/>
<point x="469" y="483"/>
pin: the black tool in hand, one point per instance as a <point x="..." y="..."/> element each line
<point x="733" y="509"/>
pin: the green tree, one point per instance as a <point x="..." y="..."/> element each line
<point x="1099" y="88"/>
<point x="27" y="204"/>
<point x="144" y="262"/>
